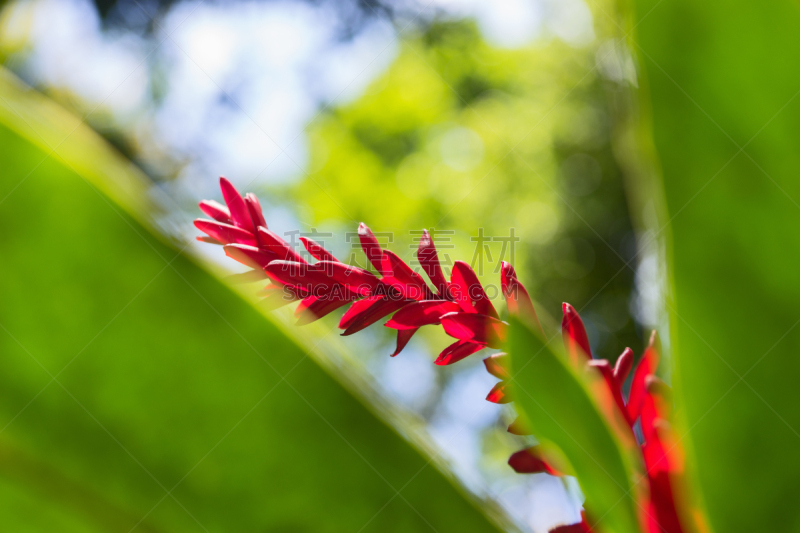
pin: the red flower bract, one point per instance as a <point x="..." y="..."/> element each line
<point x="481" y="329"/>
<point x="424" y="313"/>
<point x="532" y="461"/>
<point x="575" y="339"/>
<point x="580" y="527"/>
<point x="463" y="309"/>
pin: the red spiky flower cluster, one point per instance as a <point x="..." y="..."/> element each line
<point x="465" y="312"/>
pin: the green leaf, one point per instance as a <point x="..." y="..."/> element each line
<point x="723" y="87"/>
<point x="562" y="410"/>
<point x="140" y="393"/>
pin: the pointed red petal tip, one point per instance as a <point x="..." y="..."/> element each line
<point x="497" y="365"/>
<point x="372" y="248"/>
<point x="623" y="366"/>
<point x="575" y="339"/>
<point x="237" y="206"/>
<point x="429" y="259"/>
<point x="468" y="291"/>
<point x="402" y="339"/>
<point x="457" y="351"/>
<point x="225" y="233"/>
<point x="517" y="298"/>
<point x="507" y="278"/>
<point x="254" y="209"/>
<point x="317" y="250"/>
<point x="216" y="210"/>
<point x="530" y="461"/>
<point x="499" y="393"/>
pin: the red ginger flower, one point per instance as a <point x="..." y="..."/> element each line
<point x="532" y="461"/>
<point x="648" y="403"/>
<point x="465" y="312"/>
<point x="460" y="305"/>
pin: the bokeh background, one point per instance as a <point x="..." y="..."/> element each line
<point x="483" y="122"/>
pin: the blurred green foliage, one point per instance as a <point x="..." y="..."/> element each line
<point x="723" y="86"/>
<point x="138" y="392"/>
<point x="458" y="135"/>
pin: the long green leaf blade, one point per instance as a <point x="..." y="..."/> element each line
<point x="723" y="86"/>
<point x="562" y="411"/>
